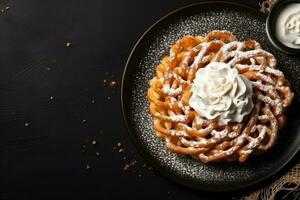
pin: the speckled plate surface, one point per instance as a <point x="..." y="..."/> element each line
<point x="202" y="18"/>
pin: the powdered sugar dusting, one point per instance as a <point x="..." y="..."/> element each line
<point x="273" y="71"/>
<point x="171" y="91"/>
<point x="220" y="134"/>
<point x="178" y="118"/>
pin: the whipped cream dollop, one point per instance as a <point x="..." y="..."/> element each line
<point x="221" y="94"/>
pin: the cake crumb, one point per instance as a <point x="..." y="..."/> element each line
<point x="126" y="167"/>
<point x="112" y="84"/>
<point x="129" y="165"/>
<point x="68" y="44"/>
<point x="7" y="8"/>
<point x="88" y="167"/>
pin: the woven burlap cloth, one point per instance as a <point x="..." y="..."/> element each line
<point x="288" y="185"/>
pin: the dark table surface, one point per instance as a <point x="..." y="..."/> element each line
<point x="62" y="134"/>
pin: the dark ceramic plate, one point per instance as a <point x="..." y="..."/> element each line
<point x="202" y="18"/>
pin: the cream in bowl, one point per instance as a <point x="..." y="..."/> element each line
<point x="288" y="25"/>
<point x="283" y="26"/>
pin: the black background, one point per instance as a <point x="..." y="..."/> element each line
<point x="43" y="159"/>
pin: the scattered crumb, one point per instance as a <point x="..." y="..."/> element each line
<point x="133" y="162"/>
<point x="129" y="165"/>
<point x="119" y="147"/>
<point x="88" y="167"/>
<point x="109" y="84"/>
<point x="90" y="147"/>
<point x="83" y="121"/>
<point x="126" y="167"/>
<point x="68" y="44"/>
<point x="83" y="150"/>
<point x="112" y="84"/>
<point x="7" y="8"/>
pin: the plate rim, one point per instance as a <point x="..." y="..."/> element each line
<point x="128" y="123"/>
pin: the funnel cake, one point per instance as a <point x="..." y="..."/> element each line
<point x="186" y="131"/>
